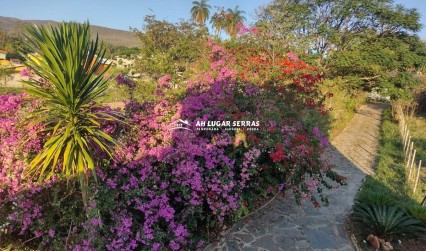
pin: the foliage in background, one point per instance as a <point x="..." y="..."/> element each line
<point x="113" y="51"/>
<point x="342" y="103"/>
<point x="169" y="48"/>
<point x="367" y="43"/>
<point x="14" y="44"/>
<point x="5" y="73"/>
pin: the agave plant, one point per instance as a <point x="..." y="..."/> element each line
<point x="376" y="196"/>
<point x="386" y="220"/>
<point x="71" y="79"/>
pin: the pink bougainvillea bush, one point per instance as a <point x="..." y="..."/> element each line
<point x="167" y="186"/>
<point x="20" y="212"/>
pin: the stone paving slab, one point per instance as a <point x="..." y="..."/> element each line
<point x="282" y="225"/>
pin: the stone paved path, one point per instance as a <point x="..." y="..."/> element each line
<point x="282" y="225"/>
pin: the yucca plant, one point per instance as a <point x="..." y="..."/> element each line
<point x="69" y="64"/>
<point x="387" y="220"/>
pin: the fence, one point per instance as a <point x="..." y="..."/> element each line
<point x="413" y="168"/>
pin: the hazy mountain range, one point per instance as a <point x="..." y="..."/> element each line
<point x="111" y="36"/>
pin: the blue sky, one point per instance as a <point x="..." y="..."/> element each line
<point x="122" y="14"/>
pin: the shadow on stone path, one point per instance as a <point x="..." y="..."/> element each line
<point x="282" y="225"/>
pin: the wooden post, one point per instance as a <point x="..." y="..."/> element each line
<point x="404" y="139"/>
<point x="418" y="176"/>
<point x="412" y="164"/>
<point x="407" y="156"/>
<point x="408" y="151"/>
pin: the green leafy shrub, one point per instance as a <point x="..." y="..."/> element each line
<point x="386" y="220"/>
<point x="376" y="196"/>
<point x="418" y="212"/>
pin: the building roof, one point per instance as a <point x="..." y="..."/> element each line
<point x="2" y="51"/>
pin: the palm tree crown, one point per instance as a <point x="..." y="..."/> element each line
<point x="200" y="12"/>
<point x="218" y="21"/>
<point x="233" y="18"/>
<point x="228" y="21"/>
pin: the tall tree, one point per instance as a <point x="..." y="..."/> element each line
<point x="200" y="12"/>
<point x="219" y="22"/>
<point x="232" y="18"/>
<point x="331" y="25"/>
<point x="169" y="48"/>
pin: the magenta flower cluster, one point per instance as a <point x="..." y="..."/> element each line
<point x="124" y="80"/>
<point x="19" y="143"/>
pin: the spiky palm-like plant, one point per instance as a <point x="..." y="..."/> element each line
<point x="387" y="220"/>
<point x="69" y="65"/>
<point x="200" y="12"/>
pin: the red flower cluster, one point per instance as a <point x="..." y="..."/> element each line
<point x="278" y="154"/>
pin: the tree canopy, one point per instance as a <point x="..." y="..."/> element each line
<point x="169" y="48"/>
<point x="367" y="42"/>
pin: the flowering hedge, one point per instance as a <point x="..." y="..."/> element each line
<point x="166" y="188"/>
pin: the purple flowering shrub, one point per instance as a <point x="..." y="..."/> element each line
<point x="21" y="199"/>
<point x="36" y="213"/>
<point x="123" y="80"/>
<point x="166" y="188"/>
